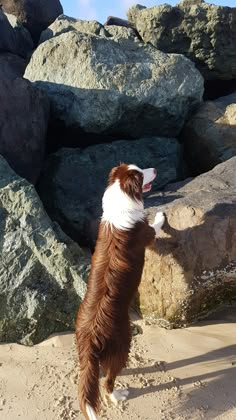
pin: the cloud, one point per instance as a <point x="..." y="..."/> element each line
<point x="86" y="10"/>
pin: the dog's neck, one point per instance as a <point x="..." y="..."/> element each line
<point x="119" y="209"/>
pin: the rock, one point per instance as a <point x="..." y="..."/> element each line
<point x="23" y="42"/>
<point x="115" y="21"/>
<point x="73" y="180"/>
<point x="65" y="24"/>
<point x="34" y="15"/>
<point x="41" y="270"/>
<point x="121" y="28"/>
<point x="192" y="268"/>
<point x="14" y="39"/>
<point x="131" y="90"/>
<point x="121" y="32"/>
<point x="6" y="34"/>
<point x="133" y="12"/>
<point x="205" y="33"/>
<point x="24" y="114"/>
<point x="210" y="135"/>
<point x="214" y="89"/>
<point x="11" y="66"/>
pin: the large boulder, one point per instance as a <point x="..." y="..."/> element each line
<point x="210" y="135"/>
<point x="205" y="33"/>
<point x="24" y="44"/>
<point x="34" y="15"/>
<point x="73" y="180"/>
<point x="192" y="267"/>
<point x="65" y="24"/>
<point x="14" y="38"/>
<point x="24" y="114"/>
<point x="100" y="86"/>
<point x="42" y="271"/>
<point x="11" y="66"/>
<point x="6" y="34"/>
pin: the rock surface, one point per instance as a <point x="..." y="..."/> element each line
<point x="120" y="27"/>
<point x="73" y="180"/>
<point x="14" y="38"/>
<point x="24" y="116"/>
<point x="121" y="32"/>
<point x="192" y="268"/>
<point x="11" y="66"/>
<point x="41" y="268"/>
<point x="34" y="15"/>
<point x="100" y="86"/>
<point x="6" y="34"/>
<point x="205" y="33"/>
<point x="65" y="24"/>
<point x="210" y="135"/>
<point x="24" y="44"/>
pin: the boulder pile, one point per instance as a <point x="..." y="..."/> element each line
<point x="79" y="97"/>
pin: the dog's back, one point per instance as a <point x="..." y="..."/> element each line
<point x="102" y="328"/>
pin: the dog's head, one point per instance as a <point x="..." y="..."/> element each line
<point x="122" y="201"/>
<point x="133" y="181"/>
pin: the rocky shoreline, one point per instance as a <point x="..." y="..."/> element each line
<point x="77" y="98"/>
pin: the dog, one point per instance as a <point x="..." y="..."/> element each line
<point x="103" y="331"/>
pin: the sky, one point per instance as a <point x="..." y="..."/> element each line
<point x="101" y="9"/>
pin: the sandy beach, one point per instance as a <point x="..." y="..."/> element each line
<point x="172" y="374"/>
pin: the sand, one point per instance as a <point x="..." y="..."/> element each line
<point x="172" y="374"/>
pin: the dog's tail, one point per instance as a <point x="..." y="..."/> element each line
<point x="89" y="393"/>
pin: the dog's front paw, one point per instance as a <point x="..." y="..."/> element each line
<point x="159" y="219"/>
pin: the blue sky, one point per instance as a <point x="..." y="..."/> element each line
<point x="100" y="9"/>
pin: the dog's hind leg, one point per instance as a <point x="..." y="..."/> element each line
<point x="113" y="369"/>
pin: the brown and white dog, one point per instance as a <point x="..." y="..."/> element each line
<point x="103" y="329"/>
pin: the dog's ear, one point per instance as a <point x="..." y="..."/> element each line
<point x="112" y="175"/>
<point x="133" y="184"/>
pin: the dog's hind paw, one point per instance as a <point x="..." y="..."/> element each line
<point x="119" y="395"/>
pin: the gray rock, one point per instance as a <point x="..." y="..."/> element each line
<point x="133" y="12"/>
<point x="11" y="66"/>
<point x="73" y="180"/>
<point x="23" y="40"/>
<point x="205" y="33"/>
<point x="6" y="34"/>
<point x="210" y="135"/>
<point x="65" y="24"/>
<point x="24" y="114"/>
<point x="42" y="272"/>
<point x="116" y="21"/>
<point x="99" y="86"/>
<point x="14" y="38"/>
<point x="192" y="268"/>
<point x="121" y="32"/>
<point x="34" y="15"/>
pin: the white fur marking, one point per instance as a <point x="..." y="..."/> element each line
<point x="91" y="413"/>
<point x="119" y="395"/>
<point x="119" y="209"/>
<point x="135" y="168"/>
<point x="148" y="174"/>
<point x="158" y="222"/>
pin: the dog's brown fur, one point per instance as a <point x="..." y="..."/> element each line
<point x="103" y="329"/>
